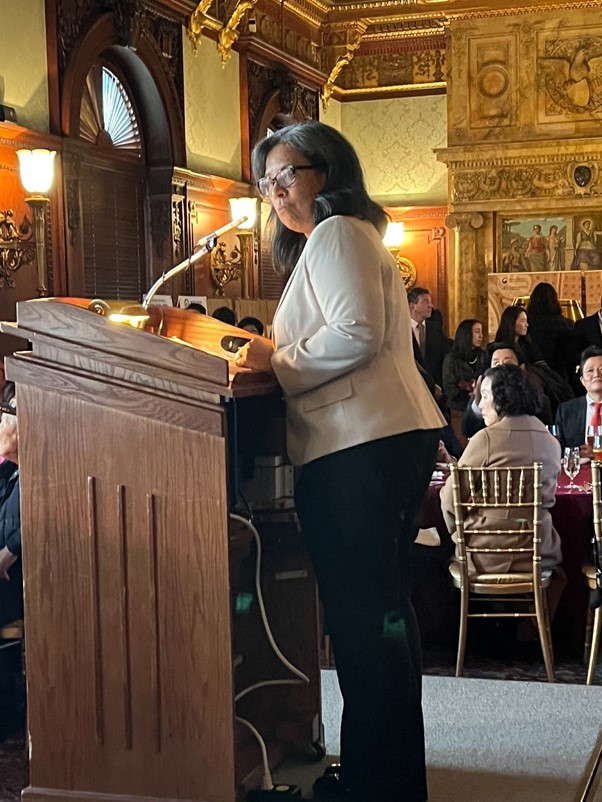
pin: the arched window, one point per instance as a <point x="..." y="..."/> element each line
<point x="107" y="116"/>
<point x="112" y="189"/>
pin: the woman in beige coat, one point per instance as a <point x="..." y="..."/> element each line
<point x="513" y="436"/>
<point x="365" y="429"/>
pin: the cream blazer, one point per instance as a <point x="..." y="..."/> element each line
<point x="343" y="345"/>
<point x="514" y="440"/>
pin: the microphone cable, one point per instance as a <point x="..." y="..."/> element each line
<point x="302" y="679"/>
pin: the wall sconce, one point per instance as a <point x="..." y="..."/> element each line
<point x="37" y="174"/>
<point x="394" y="236"/>
<point x="15" y="247"/>
<point x="239" y="263"/>
<point x="393" y="240"/>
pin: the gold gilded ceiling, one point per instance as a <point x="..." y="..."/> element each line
<point x="364" y="49"/>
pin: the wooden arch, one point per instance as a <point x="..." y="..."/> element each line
<point x="153" y="91"/>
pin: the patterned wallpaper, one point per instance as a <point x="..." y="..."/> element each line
<point x="212" y="110"/>
<point x="395" y="140"/>
<point x="23" y="30"/>
<point x="332" y="115"/>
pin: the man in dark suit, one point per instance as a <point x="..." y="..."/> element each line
<point x="586" y="332"/>
<point x="573" y="417"/>
<point x="430" y="343"/>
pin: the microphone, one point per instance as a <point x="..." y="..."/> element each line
<point x="595" y="598"/>
<point x="232" y="344"/>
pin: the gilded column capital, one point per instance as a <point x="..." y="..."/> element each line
<point x="465" y="222"/>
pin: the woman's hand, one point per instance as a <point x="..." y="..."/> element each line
<point x="256" y="354"/>
<point x="443" y="455"/>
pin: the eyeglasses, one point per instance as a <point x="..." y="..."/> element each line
<point x="285" y="178"/>
<point x="6" y="407"/>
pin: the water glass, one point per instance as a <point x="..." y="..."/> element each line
<point x="571" y="464"/>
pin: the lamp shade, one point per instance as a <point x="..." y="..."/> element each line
<point x="394" y="235"/>
<point x="37" y="169"/>
<point x="244" y="207"/>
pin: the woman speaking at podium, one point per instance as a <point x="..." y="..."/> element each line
<point x="365" y="429"/>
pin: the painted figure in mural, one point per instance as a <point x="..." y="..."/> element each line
<point x="536" y="250"/>
<point x="513" y="260"/>
<point x="554" y="248"/>
<point x="587" y="256"/>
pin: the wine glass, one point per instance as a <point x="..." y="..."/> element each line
<point x="592" y="432"/>
<point x="571" y="465"/>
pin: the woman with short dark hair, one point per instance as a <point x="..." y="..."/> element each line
<point x="512" y="436"/>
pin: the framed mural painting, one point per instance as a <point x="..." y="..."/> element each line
<point x="548" y="243"/>
<point x="534" y="244"/>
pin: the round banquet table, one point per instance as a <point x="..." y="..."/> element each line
<point x="436" y="601"/>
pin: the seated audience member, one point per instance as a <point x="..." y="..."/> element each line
<point x="513" y="436"/>
<point x="252" y="324"/>
<point x="575" y="416"/>
<point x="194" y="307"/>
<point x="461" y="368"/>
<point x="501" y="353"/>
<point x="225" y="314"/>
<point x="11" y="577"/>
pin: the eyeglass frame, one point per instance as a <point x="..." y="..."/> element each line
<point x="6" y="407"/>
<point x="272" y="182"/>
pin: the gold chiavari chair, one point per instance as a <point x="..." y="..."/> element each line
<point x="517" y="490"/>
<point x="593" y="577"/>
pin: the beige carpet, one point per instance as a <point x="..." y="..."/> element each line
<point x="499" y="741"/>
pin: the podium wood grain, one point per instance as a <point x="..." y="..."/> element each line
<point x="125" y="502"/>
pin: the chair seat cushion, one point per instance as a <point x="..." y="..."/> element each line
<point x="522" y="579"/>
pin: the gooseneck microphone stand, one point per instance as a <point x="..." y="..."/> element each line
<point x="205" y="245"/>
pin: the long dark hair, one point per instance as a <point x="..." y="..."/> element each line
<point x="344" y="191"/>
<point x="506" y="330"/>
<point x="462" y="346"/>
<point x="544" y="301"/>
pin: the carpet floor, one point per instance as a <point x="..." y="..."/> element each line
<point x="487" y="740"/>
<point x="492" y="741"/>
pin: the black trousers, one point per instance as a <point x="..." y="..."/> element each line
<point x="357" y="509"/>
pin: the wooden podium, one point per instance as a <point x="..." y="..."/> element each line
<point x="136" y="640"/>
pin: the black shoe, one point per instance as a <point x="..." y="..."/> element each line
<point x="330" y="787"/>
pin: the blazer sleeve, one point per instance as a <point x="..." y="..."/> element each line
<point x="475" y="454"/>
<point x="343" y="274"/>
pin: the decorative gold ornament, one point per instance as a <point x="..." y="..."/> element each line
<point x="16" y="247"/>
<point x="341" y="62"/>
<point x="407" y="269"/>
<point x="230" y="33"/>
<point x="224" y="267"/>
